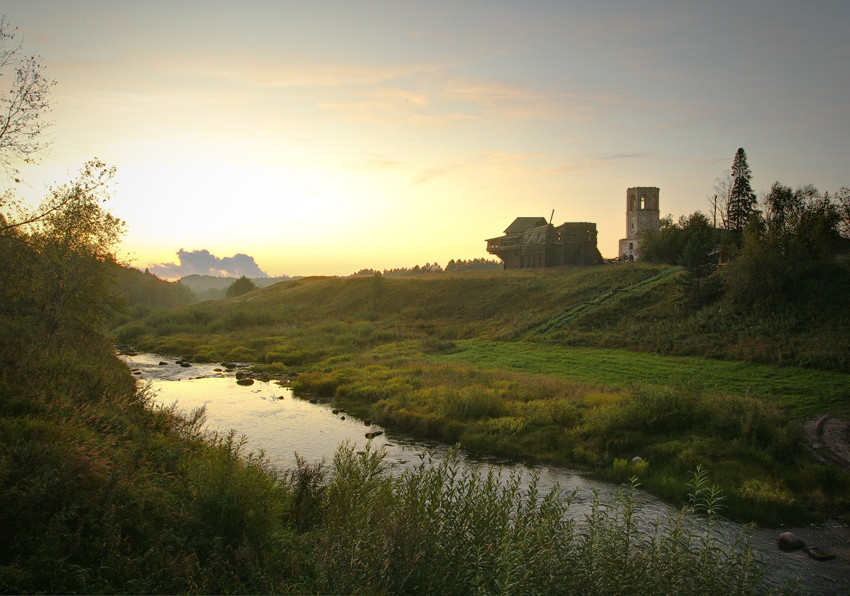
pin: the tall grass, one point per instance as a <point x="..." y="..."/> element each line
<point x="443" y="529"/>
<point x="753" y="450"/>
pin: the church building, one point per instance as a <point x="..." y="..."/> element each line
<point x="642" y="215"/>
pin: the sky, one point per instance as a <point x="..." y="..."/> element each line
<point x="324" y="137"/>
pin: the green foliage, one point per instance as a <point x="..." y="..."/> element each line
<point x="538" y="365"/>
<point x="243" y="285"/>
<point x="742" y="199"/>
<point x="841" y="200"/>
<point x="144" y="292"/>
<point x="691" y="243"/>
<point x="665" y="245"/>
<point x="441" y="529"/>
<point x="789" y="253"/>
<point x="59" y="273"/>
<point x="103" y="493"/>
<point x="461" y="265"/>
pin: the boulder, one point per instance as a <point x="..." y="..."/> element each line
<point x="185" y="364"/>
<point x="241" y="374"/>
<point x="789" y="541"/>
<point x="818" y="554"/>
<point x="244" y="381"/>
<point x="163" y="363"/>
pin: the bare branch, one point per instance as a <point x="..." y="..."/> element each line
<point x="24" y="101"/>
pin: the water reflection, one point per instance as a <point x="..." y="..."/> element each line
<point x="281" y="425"/>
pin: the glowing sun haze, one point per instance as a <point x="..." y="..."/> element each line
<point x="326" y="137"/>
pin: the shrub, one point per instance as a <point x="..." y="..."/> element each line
<point x="127" y="334"/>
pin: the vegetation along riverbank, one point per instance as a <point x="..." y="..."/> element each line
<point x="103" y="492"/>
<point x="589" y="366"/>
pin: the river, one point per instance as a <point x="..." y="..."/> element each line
<point x="274" y="420"/>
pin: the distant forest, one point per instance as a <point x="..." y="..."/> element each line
<point x="454" y="266"/>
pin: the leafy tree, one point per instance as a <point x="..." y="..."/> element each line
<point x="742" y="199"/>
<point x="664" y="245"/>
<point x="801" y="225"/>
<point x="841" y="200"/>
<point x="670" y="242"/>
<point x="789" y="253"/>
<point x="698" y="254"/>
<point x="24" y="99"/>
<point x="243" y="285"/>
<point x="59" y="260"/>
<point x="780" y="203"/>
<point x="690" y="243"/>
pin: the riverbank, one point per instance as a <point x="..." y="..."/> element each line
<point x="280" y="424"/>
<point x="553" y="366"/>
<point x="105" y="492"/>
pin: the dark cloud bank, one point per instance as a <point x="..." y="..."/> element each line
<point x="202" y="262"/>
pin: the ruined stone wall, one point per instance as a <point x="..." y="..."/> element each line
<point x="642" y="215"/>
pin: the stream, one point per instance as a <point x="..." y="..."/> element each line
<point x="273" y="420"/>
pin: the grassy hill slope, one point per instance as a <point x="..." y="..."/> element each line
<point x="590" y="365"/>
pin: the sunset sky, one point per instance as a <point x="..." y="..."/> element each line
<point x="325" y="137"/>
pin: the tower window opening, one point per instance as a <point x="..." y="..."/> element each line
<point x="643" y="202"/>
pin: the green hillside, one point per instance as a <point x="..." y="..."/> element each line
<point x="585" y="366"/>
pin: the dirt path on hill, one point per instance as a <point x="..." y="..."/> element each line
<point x="829" y="437"/>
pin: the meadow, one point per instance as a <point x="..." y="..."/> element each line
<point x="587" y="366"/>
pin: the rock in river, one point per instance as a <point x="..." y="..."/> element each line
<point x="789" y="541"/>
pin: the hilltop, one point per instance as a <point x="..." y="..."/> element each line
<point x="210" y="287"/>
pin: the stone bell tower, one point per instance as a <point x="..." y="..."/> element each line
<point x="642" y="215"/>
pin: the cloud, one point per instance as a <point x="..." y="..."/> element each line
<point x="202" y="262"/>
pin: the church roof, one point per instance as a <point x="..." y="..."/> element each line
<point x="522" y="224"/>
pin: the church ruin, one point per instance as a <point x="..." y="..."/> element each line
<point x="534" y="242"/>
<point x="642" y="215"/>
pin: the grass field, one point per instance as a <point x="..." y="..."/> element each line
<point x="802" y="392"/>
<point x="585" y="365"/>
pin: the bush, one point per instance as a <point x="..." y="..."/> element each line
<point x="129" y="333"/>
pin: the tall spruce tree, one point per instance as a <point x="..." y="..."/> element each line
<point x="742" y="199"/>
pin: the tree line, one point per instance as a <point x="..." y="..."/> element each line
<point x="772" y="245"/>
<point x="453" y="266"/>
